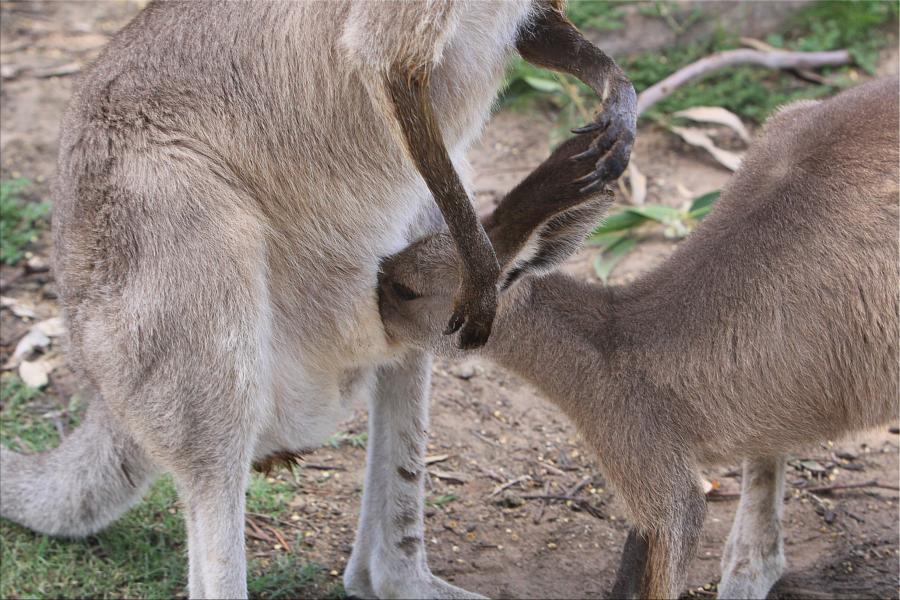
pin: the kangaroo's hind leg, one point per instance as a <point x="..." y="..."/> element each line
<point x="753" y="559"/>
<point x="389" y="559"/>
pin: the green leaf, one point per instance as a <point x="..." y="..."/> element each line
<point x="543" y="85"/>
<point x="604" y="264"/>
<point x="656" y="212"/>
<point x="606" y="240"/>
<point x="441" y="501"/>
<point x="701" y="205"/>
<point x="620" y="221"/>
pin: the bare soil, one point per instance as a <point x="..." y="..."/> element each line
<point x="488" y="428"/>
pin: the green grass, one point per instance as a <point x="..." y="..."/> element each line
<point x="21" y="221"/>
<point x="143" y="554"/>
<point x="863" y="27"/>
<point x="27" y="416"/>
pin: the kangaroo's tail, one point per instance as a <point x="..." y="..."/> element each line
<point x="80" y="487"/>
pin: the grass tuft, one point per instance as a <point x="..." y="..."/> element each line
<point x="20" y="221"/>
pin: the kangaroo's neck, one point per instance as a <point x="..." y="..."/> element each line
<point x="560" y="335"/>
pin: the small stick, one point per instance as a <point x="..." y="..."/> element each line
<point x="281" y="539"/>
<point x="579" y="486"/>
<point x="321" y="467"/>
<point x="509" y="484"/>
<point x="484" y="438"/>
<point x="274" y="520"/>
<point x="551" y="468"/>
<point x="730" y="58"/>
<point x="489" y="473"/>
<point x="542" y="507"/>
<point x="258" y="533"/>
<point x="849" y="486"/>
<point x="813" y="490"/>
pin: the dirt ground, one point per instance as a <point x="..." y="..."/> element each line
<point x="488" y="428"/>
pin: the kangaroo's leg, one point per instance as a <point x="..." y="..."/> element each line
<point x="214" y="498"/>
<point x="476" y="300"/>
<point x="80" y="487"/>
<point x="671" y="545"/>
<point x="389" y="558"/>
<point x="631" y="566"/>
<point x="397" y="51"/>
<point x="553" y="42"/>
<point x="753" y="559"/>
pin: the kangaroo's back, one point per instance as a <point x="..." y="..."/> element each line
<point x="803" y="242"/>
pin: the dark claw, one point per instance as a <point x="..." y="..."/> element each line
<point x="589" y="153"/>
<point x="456" y="321"/>
<point x="588" y="128"/>
<point x="589" y="178"/>
<point x="592" y="187"/>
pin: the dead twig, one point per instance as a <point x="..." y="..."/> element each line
<point x="850" y="486"/>
<point x="274" y="520"/>
<point x="485" y="438"/>
<point x="57" y="71"/>
<point x="573" y="491"/>
<point x="280" y="537"/>
<point x="256" y="532"/>
<point x="490" y="474"/>
<point x="581" y="503"/>
<point x="551" y="468"/>
<point x="321" y="467"/>
<point x="773" y="60"/>
<point x="509" y="484"/>
<point x="715" y="495"/>
<point x="539" y="514"/>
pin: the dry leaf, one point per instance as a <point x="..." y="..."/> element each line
<point x="31" y="341"/>
<point x="35" y="374"/>
<point x="53" y="327"/>
<point x="695" y="137"/>
<point x="436" y="458"/>
<point x="21" y="309"/>
<point x="717" y="115"/>
<point x="451" y="476"/>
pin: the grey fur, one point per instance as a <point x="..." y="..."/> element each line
<point x="773" y="327"/>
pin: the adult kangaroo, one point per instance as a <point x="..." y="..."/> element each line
<point x="774" y="326"/>
<point x="230" y="174"/>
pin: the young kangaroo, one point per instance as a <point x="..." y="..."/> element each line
<point x="230" y="174"/>
<point x="772" y="327"/>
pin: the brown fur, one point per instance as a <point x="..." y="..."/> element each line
<point x="285" y="459"/>
<point x="774" y="325"/>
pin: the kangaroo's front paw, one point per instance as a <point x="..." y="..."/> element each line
<point x="473" y="315"/>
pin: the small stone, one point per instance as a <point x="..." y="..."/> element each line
<point x="37" y="264"/>
<point x="509" y="500"/>
<point x="464" y="371"/>
<point x="846" y="454"/>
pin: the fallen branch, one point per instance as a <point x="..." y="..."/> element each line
<point x="581" y="503"/>
<point x="850" y="486"/>
<point x="730" y="58"/>
<point x="714" y="495"/>
<point x="274" y="520"/>
<point x="321" y="467"/>
<point x="280" y="537"/>
<point x="579" y="486"/>
<point x="539" y="514"/>
<point x="509" y="484"/>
